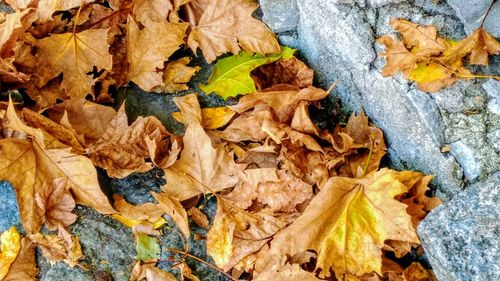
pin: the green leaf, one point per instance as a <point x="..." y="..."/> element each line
<point x="147" y="247"/>
<point x="231" y="75"/>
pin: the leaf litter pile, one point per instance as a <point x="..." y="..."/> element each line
<point x="294" y="202"/>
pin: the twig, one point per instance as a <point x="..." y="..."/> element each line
<point x="487" y="12"/>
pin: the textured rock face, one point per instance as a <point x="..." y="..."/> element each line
<point x="9" y="215"/>
<point x="461" y="236"/>
<point x="472" y="12"/>
<point x="337" y="39"/>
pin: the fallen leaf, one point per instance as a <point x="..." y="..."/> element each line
<point x="345" y="246"/>
<point x="423" y="37"/>
<point x="149" y="12"/>
<point x="12" y="27"/>
<point x="479" y="45"/>
<point x="122" y="149"/>
<point x="172" y="207"/>
<point x="149" y="272"/>
<point x="10" y="245"/>
<point x="416" y="272"/>
<point x="201" y="167"/>
<point x="62" y="247"/>
<point x="24" y="266"/>
<point x="84" y="117"/>
<point x="147" y="211"/>
<point x="231" y="75"/>
<point x="176" y="76"/>
<point x="74" y="55"/>
<point x="47" y="7"/>
<point x="199" y="218"/>
<point x="18" y="4"/>
<point x="286" y="273"/>
<point x="225" y="26"/>
<point x="54" y="204"/>
<point x="431" y="77"/>
<point x="290" y="71"/>
<point x="398" y="58"/>
<point x="162" y="39"/>
<point x="147" y="247"/>
<point x="236" y="233"/>
<point x="211" y="117"/>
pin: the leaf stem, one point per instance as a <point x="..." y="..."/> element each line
<point x="214" y="267"/>
<point x="487" y="12"/>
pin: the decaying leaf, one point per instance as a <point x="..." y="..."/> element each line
<point x="211" y="117"/>
<point x="287" y="71"/>
<point x="176" y="76"/>
<point x="147" y="247"/>
<point x="222" y="26"/>
<point x="122" y="149"/>
<point x="74" y="55"/>
<point x="201" y="167"/>
<point x="172" y="207"/>
<point x="62" y="247"/>
<point x="348" y="207"/>
<point x="162" y="39"/>
<point x="10" y="245"/>
<point x="231" y="75"/>
<point x="434" y="62"/>
<point x="54" y="204"/>
<point x="24" y="266"/>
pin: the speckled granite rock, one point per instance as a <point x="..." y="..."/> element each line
<point x="471" y="12"/>
<point x="461" y="237"/>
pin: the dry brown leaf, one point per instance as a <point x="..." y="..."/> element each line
<point x="60" y="132"/>
<point x="24" y="266"/>
<point x="348" y="207"/>
<point x="201" y="167"/>
<point x="74" y="55"/>
<point x="285" y="71"/>
<point x="423" y="37"/>
<point x="149" y="272"/>
<point x="18" y="4"/>
<point x="148" y="12"/>
<point x="199" y="217"/>
<point x="62" y="247"/>
<point x="398" y="58"/>
<point x="416" y="272"/>
<point x="28" y="164"/>
<point x="12" y="28"/>
<point x="236" y="233"/>
<point x="122" y="149"/>
<point x="273" y="188"/>
<point x="176" y="76"/>
<point x="83" y="117"/>
<point x="222" y="26"/>
<point x="479" y="45"/>
<point x="174" y="209"/>
<point x="147" y="211"/>
<point x="211" y="117"/>
<point x="287" y="273"/>
<point x="47" y="7"/>
<point x="54" y="204"/>
<point x="162" y="39"/>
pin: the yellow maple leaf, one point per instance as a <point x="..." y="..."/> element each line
<point x="346" y="224"/>
<point x="10" y="245"/>
<point x="211" y="117"/>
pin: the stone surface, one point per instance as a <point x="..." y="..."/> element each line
<point x="280" y="15"/>
<point x="461" y="236"/>
<point x="341" y="47"/>
<point x="472" y="12"/>
<point x="9" y="214"/>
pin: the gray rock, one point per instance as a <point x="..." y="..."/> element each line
<point x="106" y="243"/>
<point x="472" y="12"/>
<point x="9" y="215"/>
<point x="280" y="15"/>
<point x="460" y="237"/>
<point x="337" y="39"/>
